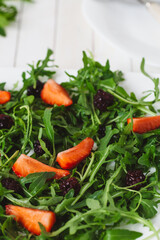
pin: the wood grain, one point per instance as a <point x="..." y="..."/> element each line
<point x="61" y="26"/>
<point x="36" y="31"/>
<point x="8" y="44"/>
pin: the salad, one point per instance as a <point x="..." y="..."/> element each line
<point x="76" y="158"/>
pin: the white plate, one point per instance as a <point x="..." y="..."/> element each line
<point x="126" y="24"/>
<point x="11" y="76"/>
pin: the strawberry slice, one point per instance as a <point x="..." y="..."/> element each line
<point x="4" y="97"/>
<point x="145" y="124"/>
<point x="26" y="165"/>
<point x="53" y="93"/>
<point x="29" y="218"/>
<point x="69" y="159"/>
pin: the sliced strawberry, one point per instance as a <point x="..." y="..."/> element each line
<point x="26" y="165"/>
<point x="53" y="93"/>
<point x="4" y="97"/>
<point x="145" y="124"/>
<point x="29" y="218"/>
<point x="69" y="159"/>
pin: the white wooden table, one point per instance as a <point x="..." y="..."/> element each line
<point x="61" y="26"/>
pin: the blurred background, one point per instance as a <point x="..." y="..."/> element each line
<point x="121" y="31"/>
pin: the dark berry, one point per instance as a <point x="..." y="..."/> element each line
<point x="101" y="131"/>
<point x="68" y="184"/>
<point x="38" y="149"/>
<point x="134" y="177"/>
<point x="102" y="100"/>
<point x="11" y="184"/>
<point x="35" y="91"/>
<point x="6" y="121"/>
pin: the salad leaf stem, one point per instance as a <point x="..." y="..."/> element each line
<point x="28" y="131"/>
<point x="49" y="130"/>
<point x="134" y="191"/>
<point x="88" y="168"/>
<point x="136" y="103"/>
<point x="104" y="198"/>
<point x="10" y="159"/>
<point x="152" y="235"/>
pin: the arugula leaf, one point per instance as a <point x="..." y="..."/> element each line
<point x="49" y="130"/>
<point x="7" y="15"/>
<point x="2" y="85"/>
<point x="40" y="69"/>
<point x="39" y="182"/>
<point x="93" y="204"/>
<point x="148" y="208"/>
<point x="47" y="123"/>
<point x="2" y="32"/>
<point x="106" y="139"/>
<point x="155" y="80"/>
<point x="124" y="234"/>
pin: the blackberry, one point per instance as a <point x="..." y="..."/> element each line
<point x="102" y="100"/>
<point x="68" y="184"/>
<point x="35" y="91"/>
<point x="101" y="131"/>
<point x="38" y="149"/>
<point x="11" y="184"/>
<point x="134" y="177"/>
<point x="6" y="121"/>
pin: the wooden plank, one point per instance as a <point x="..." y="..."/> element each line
<point x="103" y="50"/>
<point x="36" y="32"/>
<point x="8" y="43"/>
<point x="73" y="34"/>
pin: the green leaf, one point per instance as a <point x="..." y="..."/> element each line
<point x="23" y="202"/>
<point x="108" y="83"/>
<point x="32" y="177"/>
<point x="2" y="85"/>
<point x="143" y="69"/>
<point x="90" y="87"/>
<point x="85" y="59"/>
<point x="63" y="205"/>
<point x="3" y="21"/>
<point x="155" y="80"/>
<point x="51" y="201"/>
<point x="144" y="160"/>
<point x="29" y="100"/>
<point x="2" y="32"/>
<point x="43" y="145"/>
<point x="148" y="208"/>
<point x="82" y="235"/>
<point x="123" y="234"/>
<point x="105" y="140"/>
<point x="47" y="123"/>
<point x="92" y="203"/>
<point x="39" y="182"/>
<point x="122" y="92"/>
<point x="156" y="88"/>
<point x="7" y="14"/>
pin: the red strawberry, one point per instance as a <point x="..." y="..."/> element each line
<point x="70" y="158"/>
<point x="145" y="124"/>
<point x="4" y="97"/>
<point x="29" y="218"/>
<point x="26" y="165"/>
<point x="53" y="93"/>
